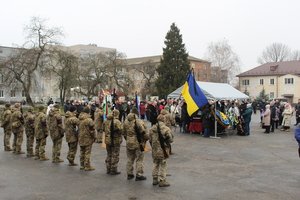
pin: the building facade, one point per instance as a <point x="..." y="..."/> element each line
<point x="279" y="80"/>
<point x="202" y="69"/>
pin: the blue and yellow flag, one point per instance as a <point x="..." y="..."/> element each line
<point x="193" y="95"/>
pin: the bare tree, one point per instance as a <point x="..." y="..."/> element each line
<point x="64" y="65"/>
<point x="91" y="76"/>
<point x="295" y="55"/>
<point x="275" y="52"/>
<point x="148" y="72"/>
<point x="24" y="63"/>
<point x="220" y="54"/>
<point x="103" y="71"/>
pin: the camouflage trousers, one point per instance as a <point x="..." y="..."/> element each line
<point x="29" y="141"/>
<point x="112" y="159"/>
<point x="72" y="151"/>
<point x="56" y="149"/>
<point x="6" y="139"/>
<point x="159" y="169"/>
<point x="138" y="156"/>
<point x="18" y="140"/>
<point x="99" y="135"/>
<point x="85" y="156"/>
<point x="40" y="148"/>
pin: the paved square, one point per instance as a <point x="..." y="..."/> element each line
<point x="260" y="166"/>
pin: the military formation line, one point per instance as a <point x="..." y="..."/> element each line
<point x="81" y="130"/>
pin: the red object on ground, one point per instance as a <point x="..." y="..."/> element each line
<point x="196" y="126"/>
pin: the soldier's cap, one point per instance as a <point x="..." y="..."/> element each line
<point x="86" y="110"/>
<point x="30" y="109"/>
<point x="116" y="113"/>
<point x="17" y="105"/>
<point x="41" y="108"/>
<point x="72" y="109"/>
<point x="161" y="118"/>
<point x="7" y="105"/>
<point x="135" y="110"/>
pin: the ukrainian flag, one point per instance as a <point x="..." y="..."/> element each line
<point x="193" y="95"/>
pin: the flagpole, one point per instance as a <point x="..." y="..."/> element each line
<point x="215" y="115"/>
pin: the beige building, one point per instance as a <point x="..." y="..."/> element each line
<point x="280" y="80"/>
<point x="202" y="69"/>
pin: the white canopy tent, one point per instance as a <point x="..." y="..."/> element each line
<point x="214" y="91"/>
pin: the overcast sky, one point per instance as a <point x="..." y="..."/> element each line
<point x="138" y="27"/>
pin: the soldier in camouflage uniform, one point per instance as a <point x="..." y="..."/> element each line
<point x="134" y="131"/>
<point x="113" y="139"/>
<point x="56" y="132"/>
<point x="170" y="121"/>
<point x="159" y="153"/>
<point x="29" y="117"/>
<point x="71" y="128"/>
<point x="17" y="125"/>
<point x="87" y="137"/>
<point x="99" y="124"/>
<point x="40" y="134"/>
<point x="6" y="125"/>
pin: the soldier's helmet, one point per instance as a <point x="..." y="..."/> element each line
<point x="17" y="105"/>
<point x="56" y="106"/>
<point x="7" y="105"/>
<point x="41" y="108"/>
<point x="86" y="110"/>
<point x="116" y="113"/>
<point x="161" y="118"/>
<point x="30" y="109"/>
<point x="135" y="110"/>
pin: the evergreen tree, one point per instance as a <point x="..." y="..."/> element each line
<point x="174" y="64"/>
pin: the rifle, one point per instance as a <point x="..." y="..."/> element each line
<point x="162" y="141"/>
<point x="112" y="132"/>
<point x="138" y="135"/>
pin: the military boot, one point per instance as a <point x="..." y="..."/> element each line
<point x="140" y="178"/>
<point x="164" y="184"/>
<point x="155" y="181"/>
<point x="29" y="155"/>
<point x="59" y="160"/>
<point x="130" y="176"/>
<point x="71" y="163"/>
<point x="7" y="149"/>
<point x="115" y="172"/>
<point x="44" y="158"/>
<point x="90" y="168"/>
<point x="20" y="152"/>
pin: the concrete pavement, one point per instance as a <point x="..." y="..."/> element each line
<point x="260" y="166"/>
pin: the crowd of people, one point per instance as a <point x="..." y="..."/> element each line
<point x="83" y="124"/>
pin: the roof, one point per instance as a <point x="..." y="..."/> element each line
<point x="274" y="68"/>
<point x="155" y="59"/>
<point x="216" y="91"/>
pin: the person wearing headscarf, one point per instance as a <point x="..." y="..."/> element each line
<point x="287" y="115"/>
<point x="267" y="119"/>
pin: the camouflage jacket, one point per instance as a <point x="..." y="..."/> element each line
<point x="40" y="126"/>
<point x="99" y="119"/>
<point x="29" y="118"/>
<point x="170" y="121"/>
<point x="130" y="134"/>
<point x="157" y="151"/>
<point x="17" y="120"/>
<point x="118" y="129"/>
<point x="55" y="124"/>
<point x="71" y="127"/>
<point x="87" y="134"/>
<point x="6" y="119"/>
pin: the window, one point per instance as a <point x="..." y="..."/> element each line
<point x="23" y="93"/>
<point x="1" y="93"/>
<point x="12" y="93"/>
<point x="245" y="82"/>
<point x="271" y="95"/>
<point x="261" y="81"/>
<point x="272" y="81"/>
<point x="289" y="81"/>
